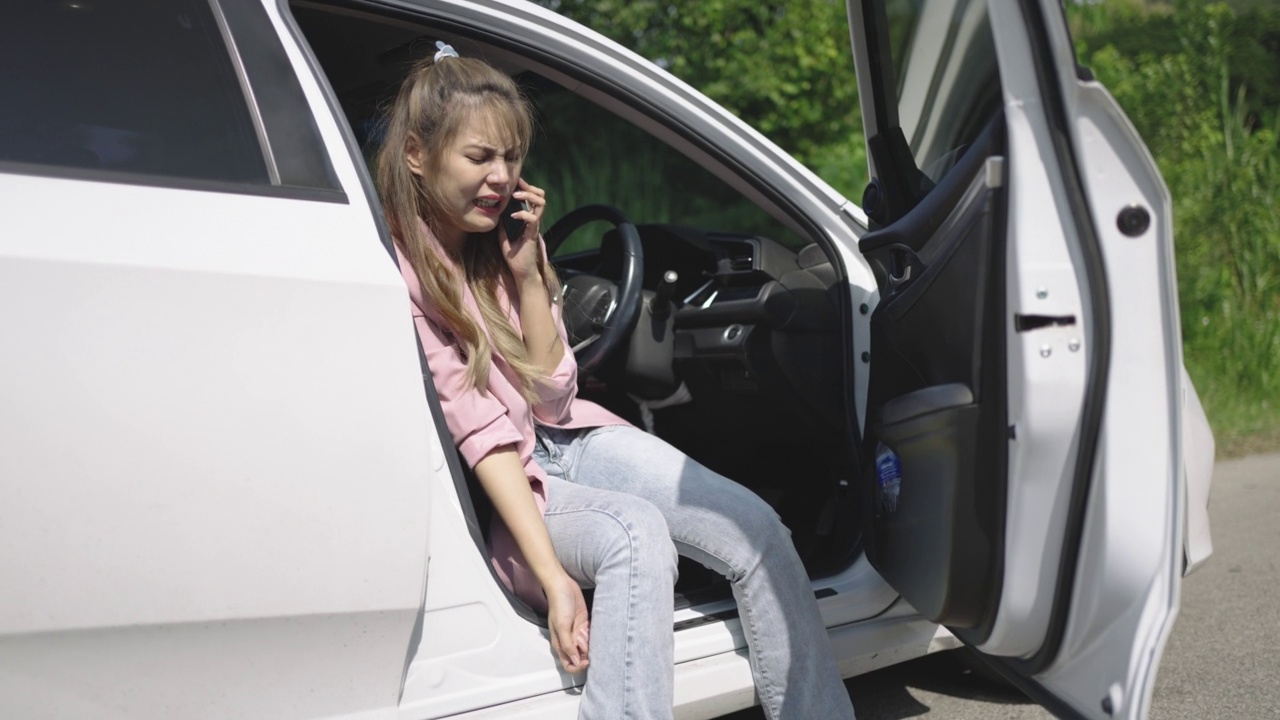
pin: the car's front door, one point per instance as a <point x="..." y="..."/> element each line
<point x="1023" y="411"/>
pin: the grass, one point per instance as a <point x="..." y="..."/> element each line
<point x="1241" y="426"/>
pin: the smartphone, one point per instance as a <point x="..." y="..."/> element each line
<point x="513" y="226"/>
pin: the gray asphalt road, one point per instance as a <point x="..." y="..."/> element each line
<point x="1223" y="660"/>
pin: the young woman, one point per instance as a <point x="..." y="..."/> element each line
<point x="582" y="499"/>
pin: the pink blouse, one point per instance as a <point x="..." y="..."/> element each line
<point x="481" y="422"/>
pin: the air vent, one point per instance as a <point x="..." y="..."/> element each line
<point x="735" y="256"/>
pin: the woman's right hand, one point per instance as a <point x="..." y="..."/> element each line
<point x="569" y="624"/>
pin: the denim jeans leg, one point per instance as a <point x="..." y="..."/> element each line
<point x="619" y="544"/>
<point x="729" y="529"/>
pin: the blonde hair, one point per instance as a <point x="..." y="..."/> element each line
<point x="436" y="100"/>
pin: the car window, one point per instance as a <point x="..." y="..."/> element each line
<point x="946" y="75"/>
<point x="584" y="154"/>
<point x="145" y="87"/>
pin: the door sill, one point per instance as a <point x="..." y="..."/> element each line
<point x="721" y="684"/>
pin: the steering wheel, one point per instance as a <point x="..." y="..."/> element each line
<point x="598" y="313"/>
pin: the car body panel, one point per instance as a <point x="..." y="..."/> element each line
<point x="1197" y="459"/>
<point x="160" y="347"/>
<point x="214" y="484"/>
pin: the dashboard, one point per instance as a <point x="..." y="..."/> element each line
<point x="755" y="325"/>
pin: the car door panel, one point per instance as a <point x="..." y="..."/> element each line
<point x="934" y="402"/>
<point x="1123" y="597"/>
<point x="1081" y="534"/>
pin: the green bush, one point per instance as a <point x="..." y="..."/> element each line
<point x="785" y="67"/>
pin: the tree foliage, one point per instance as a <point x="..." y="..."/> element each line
<point x="784" y="67"/>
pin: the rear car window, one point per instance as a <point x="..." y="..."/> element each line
<point x="144" y="87"/>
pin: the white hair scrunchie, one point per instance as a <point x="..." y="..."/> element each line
<point x="444" y="50"/>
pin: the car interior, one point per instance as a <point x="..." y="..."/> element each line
<point x="732" y="347"/>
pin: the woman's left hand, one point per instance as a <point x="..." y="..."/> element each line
<point x="522" y="252"/>
<point x="569" y="624"/>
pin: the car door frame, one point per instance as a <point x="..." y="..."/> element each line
<point x="683" y="118"/>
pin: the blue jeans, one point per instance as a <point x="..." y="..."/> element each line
<point x="620" y="504"/>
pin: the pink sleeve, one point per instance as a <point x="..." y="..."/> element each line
<point x="556" y="392"/>
<point x="477" y="421"/>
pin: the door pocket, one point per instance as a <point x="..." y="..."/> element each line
<point x="931" y="545"/>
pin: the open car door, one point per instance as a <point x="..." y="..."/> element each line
<point x="1025" y="380"/>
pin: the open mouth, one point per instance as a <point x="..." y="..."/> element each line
<point x="488" y="203"/>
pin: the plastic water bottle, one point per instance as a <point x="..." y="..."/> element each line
<point x="888" y="479"/>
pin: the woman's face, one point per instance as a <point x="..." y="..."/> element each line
<point x="477" y="175"/>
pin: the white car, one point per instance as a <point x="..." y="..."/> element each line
<point x="226" y="489"/>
